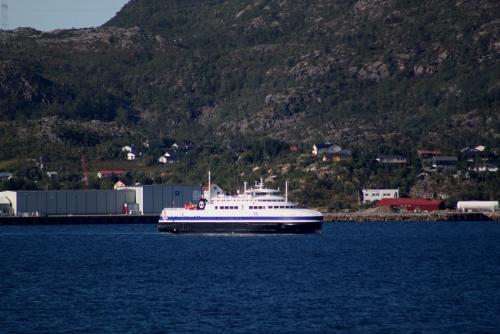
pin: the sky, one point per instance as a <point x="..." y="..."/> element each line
<point x="48" y="15"/>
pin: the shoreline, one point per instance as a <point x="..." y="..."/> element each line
<point x="332" y="217"/>
<point x="434" y="216"/>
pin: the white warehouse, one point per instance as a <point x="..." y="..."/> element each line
<point x="371" y="195"/>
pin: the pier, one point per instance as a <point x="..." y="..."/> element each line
<point x="434" y="216"/>
<point x="80" y="219"/>
<point x="328" y="218"/>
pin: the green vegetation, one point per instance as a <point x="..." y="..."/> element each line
<point x="243" y="81"/>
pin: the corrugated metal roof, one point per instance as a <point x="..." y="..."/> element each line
<point x="408" y="201"/>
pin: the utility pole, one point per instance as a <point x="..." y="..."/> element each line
<point x="4" y="21"/>
<point x="5" y="15"/>
<point x="85" y="172"/>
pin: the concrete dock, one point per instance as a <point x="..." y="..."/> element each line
<point x="80" y="219"/>
<point x="412" y="216"/>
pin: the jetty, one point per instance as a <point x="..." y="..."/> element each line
<point x="433" y="216"/>
<point x="79" y="219"/>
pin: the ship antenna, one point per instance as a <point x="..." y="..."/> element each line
<point x="286" y="191"/>
<point x="209" y="187"/>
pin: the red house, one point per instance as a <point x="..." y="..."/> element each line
<point x="411" y="204"/>
<point x="428" y="153"/>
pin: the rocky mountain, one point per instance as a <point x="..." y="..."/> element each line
<point x="379" y="76"/>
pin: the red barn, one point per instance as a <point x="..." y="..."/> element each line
<point x="411" y="204"/>
<point x="428" y="153"/>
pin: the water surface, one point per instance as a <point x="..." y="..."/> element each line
<point x="353" y="278"/>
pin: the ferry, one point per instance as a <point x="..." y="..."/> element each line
<point x="257" y="210"/>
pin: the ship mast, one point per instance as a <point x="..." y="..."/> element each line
<point x="209" y="187"/>
<point x="286" y="191"/>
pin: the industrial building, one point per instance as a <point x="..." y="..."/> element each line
<point x="150" y="200"/>
<point x="411" y="204"/>
<point x="153" y="198"/>
<point x="372" y="195"/>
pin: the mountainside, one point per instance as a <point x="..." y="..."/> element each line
<point x="376" y="77"/>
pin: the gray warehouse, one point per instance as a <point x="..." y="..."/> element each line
<point x="144" y="199"/>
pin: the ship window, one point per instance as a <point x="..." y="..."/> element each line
<point x="215" y="208"/>
<point x="250" y="207"/>
<point x="236" y="207"/>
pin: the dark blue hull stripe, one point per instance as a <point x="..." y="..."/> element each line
<point x="247" y="218"/>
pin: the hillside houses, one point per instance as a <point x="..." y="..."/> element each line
<point x="428" y="154"/>
<point x="102" y="174"/>
<point x="325" y="148"/>
<point x="444" y="162"/>
<point x="475" y="154"/>
<point x="6" y="176"/>
<point x="484" y="168"/>
<point x="391" y="159"/>
<point x="331" y="152"/>
<point x="127" y="148"/>
<point x="165" y="158"/>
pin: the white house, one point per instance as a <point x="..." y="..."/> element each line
<point x="391" y="159"/>
<point x="127" y="149"/>
<point x="130" y="156"/>
<point x="371" y="195"/>
<point x="165" y="158"/>
<point x="52" y="174"/>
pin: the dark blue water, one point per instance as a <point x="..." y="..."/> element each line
<point x="353" y="278"/>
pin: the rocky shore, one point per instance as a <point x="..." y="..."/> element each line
<point x="435" y="216"/>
